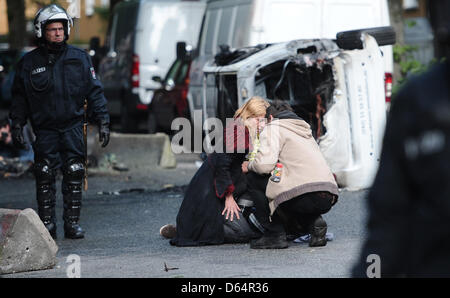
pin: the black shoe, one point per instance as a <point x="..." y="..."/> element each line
<point x="270" y="242"/>
<point x="318" y="233"/>
<point x="73" y="231"/>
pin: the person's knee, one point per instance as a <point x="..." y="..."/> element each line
<point x="43" y="173"/>
<point x="73" y="173"/>
<point x="73" y="170"/>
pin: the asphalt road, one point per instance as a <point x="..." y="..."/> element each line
<point x="122" y="234"/>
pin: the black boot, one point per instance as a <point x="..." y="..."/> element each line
<point x="274" y="241"/>
<point x="46" y="195"/>
<point x="46" y="211"/>
<point x="71" y="216"/>
<point x="318" y="232"/>
<point x="72" y="194"/>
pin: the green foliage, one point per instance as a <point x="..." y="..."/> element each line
<point x="403" y="56"/>
<point x="102" y="12"/>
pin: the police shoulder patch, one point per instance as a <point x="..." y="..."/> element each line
<point x="93" y="73"/>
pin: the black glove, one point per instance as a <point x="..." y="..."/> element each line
<point x="103" y="133"/>
<point x="17" y="137"/>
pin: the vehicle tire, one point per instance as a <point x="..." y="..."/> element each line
<point x="152" y="125"/>
<point x="351" y="40"/>
<point x="128" y="122"/>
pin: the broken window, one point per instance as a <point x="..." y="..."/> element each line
<point x="305" y="82"/>
<point x="227" y="96"/>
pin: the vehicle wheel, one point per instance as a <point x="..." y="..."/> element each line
<point x="152" y="126"/>
<point x="128" y="123"/>
<point x="351" y="40"/>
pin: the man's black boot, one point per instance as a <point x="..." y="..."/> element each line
<point x="72" y="194"/>
<point x="47" y="215"/>
<point x="71" y="216"/>
<point x="46" y="195"/>
<point x="318" y="233"/>
<point x="73" y="231"/>
<point x="274" y="241"/>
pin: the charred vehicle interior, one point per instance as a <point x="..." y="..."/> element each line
<point x="337" y="86"/>
<point x="305" y="80"/>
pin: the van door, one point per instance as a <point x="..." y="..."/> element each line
<point x="284" y="20"/>
<point x="115" y="69"/>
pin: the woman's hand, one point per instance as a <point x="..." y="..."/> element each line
<point x="244" y="167"/>
<point x="231" y="208"/>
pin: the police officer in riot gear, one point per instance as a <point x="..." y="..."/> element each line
<point x="409" y="201"/>
<point x="51" y="85"/>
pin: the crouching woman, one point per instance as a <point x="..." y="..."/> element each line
<point x="209" y="213"/>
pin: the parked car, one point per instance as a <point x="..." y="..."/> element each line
<point x="140" y="45"/>
<point x="247" y="23"/>
<point x="336" y="86"/>
<point x="170" y="101"/>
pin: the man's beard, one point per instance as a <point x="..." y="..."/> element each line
<point x="56" y="46"/>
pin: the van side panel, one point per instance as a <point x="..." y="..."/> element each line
<point x="284" y="20"/>
<point x="227" y="22"/>
<point x="115" y="68"/>
<point x="160" y="26"/>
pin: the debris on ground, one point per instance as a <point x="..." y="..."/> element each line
<point x="14" y="168"/>
<point x="108" y="164"/>
<point x="171" y="188"/>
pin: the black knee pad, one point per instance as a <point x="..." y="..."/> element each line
<point x="73" y="170"/>
<point x="43" y="173"/>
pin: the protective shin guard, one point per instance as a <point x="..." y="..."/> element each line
<point x="72" y="195"/>
<point x="46" y="195"/>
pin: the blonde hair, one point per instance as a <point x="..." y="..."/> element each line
<point x="255" y="107"/>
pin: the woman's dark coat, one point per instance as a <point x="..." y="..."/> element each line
<point x="200" y="220"/>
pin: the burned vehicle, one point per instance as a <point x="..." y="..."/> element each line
<point x="337" y="86"/>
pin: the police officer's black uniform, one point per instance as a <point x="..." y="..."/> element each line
<point x="50" y="88"/>
<point x="409" y="203"/>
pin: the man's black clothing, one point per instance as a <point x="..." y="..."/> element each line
<point x="50" y="88"/>
<point x="409" y="202"/>
<point x="294" y="216"/>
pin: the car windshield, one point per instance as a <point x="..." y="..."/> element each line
<point x="177" y="72"/>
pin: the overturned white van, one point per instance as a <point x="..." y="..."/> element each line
<point x="340" y="93"/>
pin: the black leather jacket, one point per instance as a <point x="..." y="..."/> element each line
<point x="51" y="90"/>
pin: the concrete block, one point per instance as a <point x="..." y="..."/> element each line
<point x="139" y="152"/>
<point x="25" y="243"/>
